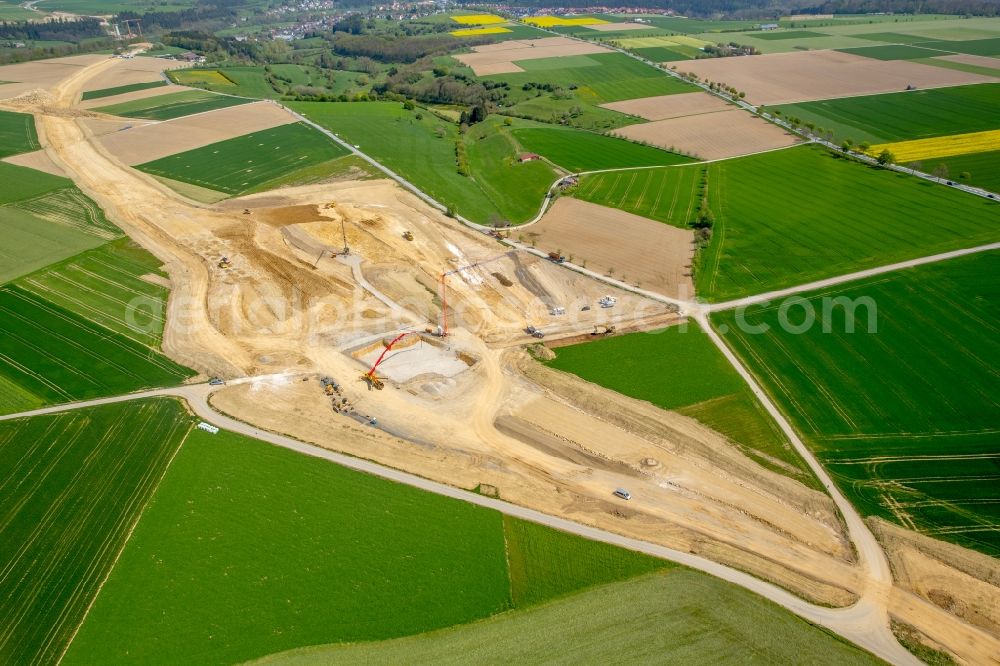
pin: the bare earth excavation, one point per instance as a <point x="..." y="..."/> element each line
<point x="263" y="294"/>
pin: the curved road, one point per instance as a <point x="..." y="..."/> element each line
<point x="861" y="623"/>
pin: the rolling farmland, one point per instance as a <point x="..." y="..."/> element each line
<point x="905" y="418"/>
<point x="172" y="105"/>
<point x="18" y="183"/>
<point x="120" y="90"/>
<point x="669" y="195"/>
<point x="599" y="78"/>
<point x="314" y="553"/>
<point x="702" y="385"/>
<point x="17" y="133"/>
<point x="680" y="617"/>
<point x="106" y="286"/>
<point x="73" y="486"/>
<point x="423" y="151"/>
<point x="575" y="150"/>
<point x="60" y="356"/>
<point x="914" y="114"/>
<point x="248" y="162"/>
<point x="778" y="205"/>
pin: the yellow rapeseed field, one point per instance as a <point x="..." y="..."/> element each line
<point x="470" y="32"/>
<point x="942" y="146"/>
<point x="478" y="19"/>
<point x="550" y="21"/>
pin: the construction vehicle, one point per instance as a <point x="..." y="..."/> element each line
<point x="408" y="235"/>
<point x="534" y="332"/>
<point x="216" y="381"/>
<point x="556" y="257"/>
<point x="608" y="301"/>
<point x="225" y="263"/>
<point x="370" y="377"/>
<point x="246" y="211"/>
<point x="557" y="310"/>
<point x="604" y="329"/>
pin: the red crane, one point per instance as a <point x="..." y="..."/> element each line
<point x="444" y="286"/>
<point x="370" y="376"/>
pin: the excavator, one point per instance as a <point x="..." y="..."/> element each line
<point x="604" y="329"/>
<point x="370" y="377"/>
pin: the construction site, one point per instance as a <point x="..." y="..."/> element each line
<point x="370" y="323"/>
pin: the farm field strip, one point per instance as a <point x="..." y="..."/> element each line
<point x="105" y="286"/>
<point x="72" y="208"/>
<point x="17" y="133"/>
<point x="236" y="165"/>
<point x="449" y="560"/>
<point x="904" y="418"/>
<point x="61" y="357"/>
<point x="80" y="480"/>
<point x="946" y="146"/>
<point x="578" y="151"/>
<point x="118" y="90"/>
<point x="676" y="617"/>
<point x="667" y="195"/>
<point x="172" y="105"/>
<point x="920" y="219"/>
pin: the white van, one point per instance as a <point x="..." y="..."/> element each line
<point x="624" y="494"/>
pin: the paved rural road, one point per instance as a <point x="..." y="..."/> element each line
<point x="861" y="623"/>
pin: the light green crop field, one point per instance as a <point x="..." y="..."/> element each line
<point x="120" y="90"/>
<point x="250" y="161"/>
<point x="678" y="368"/>
<point x="314" y="553"/>
<point x="905" y="418"/>
<point x="599" y="78"/>
<point x="31" y="242"/>
<point x="669" y="195"/>
<point x="916" y="114"/>
<point x="106" y="286"/>
<point x="575" y="150"/>
<point x="515" y="189"/>
<point x="18" y="183"/>
<point x="50" y="227"/>
<point x="677" y="617"/>
<point x="17" y="133"/>
<point x="981" y="47"/>
<point x="172" y="105"/>
<point x="73" y="486"/>
<point x="11" y="11"/>
<point x="249" y="81"/>
<point x="422" y="150"/>
<point x="893" y="52"/>
<point x="802" y="214"/>
<point x="108" y="7"/>
<point x="60" y="356"/>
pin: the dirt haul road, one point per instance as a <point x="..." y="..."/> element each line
<point x="283" y="309"/>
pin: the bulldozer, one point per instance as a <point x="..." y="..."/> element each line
<point x="408" y="235"/>
<point x="604" y="329"/>
<point x="225" y="263"/>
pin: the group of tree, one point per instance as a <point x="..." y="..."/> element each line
<point x="58" y="30"/>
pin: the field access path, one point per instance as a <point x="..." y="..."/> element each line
<point x="864" y="623"/>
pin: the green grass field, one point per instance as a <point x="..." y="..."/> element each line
<point x="120" y="90"/>
<point x="73" y="486"/>
<point x="18" y="183"/>
<point x="514" y="189"/>
<point x="662" y="54"/>
<point x="171" y="105"/>
<point x="983" y="169"/>
<point x="314" y="553"/>
<point x="915" y="114"/>
<point x="422" y="149"/>
<point x="904" y="418"/>
<point x="575" y="150"/>
<point x="893" y="52"/>
<point x="49" y="227"/>
<point x="246" y="162"/>
<point x="679" y="369"/>
<point x="600" y="78"/>
<point x="669" y="195"/>
<point x="12" y="11"/>
<point x="105" y="286"/>
<point x="982" y="47"/>
<point x="803" y="214"/>
<point x="108" y="7"/>
<point x="788" y="34"/>
<point x="677" y="617"/>
<point x="17" y="133"/>
<point x="60" y="356"/>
